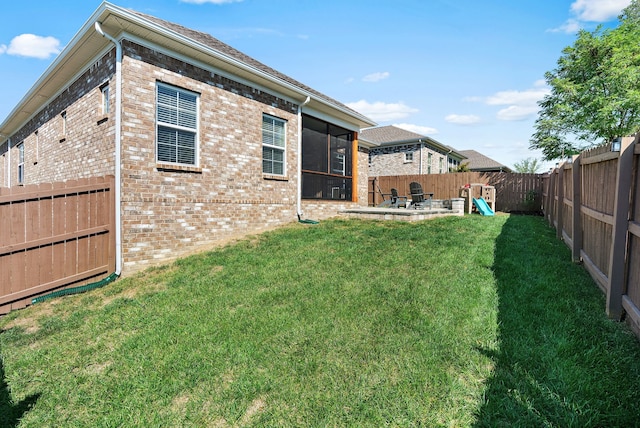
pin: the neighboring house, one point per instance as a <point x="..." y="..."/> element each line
<point x="401" y="152"/>
<point x="205" y="142"/>
<point x="478" y="162"/>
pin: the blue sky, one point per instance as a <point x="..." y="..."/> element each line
<point x="467" y="73"/>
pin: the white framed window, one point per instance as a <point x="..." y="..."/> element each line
<point x="273" y="145"/>
<point x="21" y="163"/>
<point x="338" y="165"/>
<point x="408" y="157"/>
<point x="429" y="160"/>
<point x="176" y="125"/>
<point x="104" y="93"/>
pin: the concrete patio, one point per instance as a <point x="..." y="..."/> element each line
<point x="439" y="208"/>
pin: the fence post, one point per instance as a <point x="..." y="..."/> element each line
<point x="620" y="227"/>
<point x="560" y="204"/>
<point x="552" y="198"/>
<point x="374" y="183"/>
<point x="577" y="205"/>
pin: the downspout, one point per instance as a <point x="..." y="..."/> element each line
<point x="118" y="144"/>
<point x="421" y="150"/>
<point x="299" y="195"/>
<point x="9" y="162"/>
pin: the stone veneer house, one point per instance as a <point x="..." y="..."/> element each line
<point x="205" y="142"/>
<point x="401" y="152"/>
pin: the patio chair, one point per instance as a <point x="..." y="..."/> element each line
<point x="419" y="198"/>
<point x="394" y="201"/>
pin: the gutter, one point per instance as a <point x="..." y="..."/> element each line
<point x="118" y="144"/>
<point x="299" y="195"/>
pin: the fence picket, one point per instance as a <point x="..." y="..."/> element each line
<point x="605" y="228"/>
<point x="52" y="235"/>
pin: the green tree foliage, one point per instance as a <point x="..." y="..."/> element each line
<point x="463" y="167"/>
<point x="527" y="166"/>
<point x="595" y="90"/>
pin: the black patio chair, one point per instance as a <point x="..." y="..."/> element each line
<point x="394" y="201"/>
<point x="419" y="198"/>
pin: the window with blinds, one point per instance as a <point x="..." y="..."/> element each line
<point x="273" y="145"/>
<point x="177" y="125"/>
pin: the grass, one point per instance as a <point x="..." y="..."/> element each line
<point x="466" y="321"/>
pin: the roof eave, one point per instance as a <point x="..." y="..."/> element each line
<point x="53" y="80"/>
<point x="87" y="42"/>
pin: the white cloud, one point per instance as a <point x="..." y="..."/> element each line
<point x="571" y="26"/>
<point x="383" y="112"/>
<point x="376" y="77"/>
<point x="520" y="104"/>
<point x="33" y="46"/>
<point x="598" y="10"/>
<point x="422" y="130"/>
<point x="3" y="49"/>
<point x="515" y="113"/>
<point x="210" y="1"/>
<point x="462" y="119"/>
<point x="591" y="11"/>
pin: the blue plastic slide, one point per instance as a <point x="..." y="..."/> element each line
<point x="482" y="206"/>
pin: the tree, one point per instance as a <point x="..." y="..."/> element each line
<point x="463" y="167"/>
<point x="595" y="90"/>
<point x="527" y="166"/>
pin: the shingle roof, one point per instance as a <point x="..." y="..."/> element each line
<point x="217" y="45"/>
<point x="389" y="134"/>
<point x="479" y="162"/>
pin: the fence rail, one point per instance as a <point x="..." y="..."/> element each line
<point x="514" y="192"/>
<point x="594" y="204"/>
<point x="54" y="235"/>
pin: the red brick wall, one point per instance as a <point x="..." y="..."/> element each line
<point x="171" y="212"/>
<point x="86" y="150"/>
<point x="167" y="212"/>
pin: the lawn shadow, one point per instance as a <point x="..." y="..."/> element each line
<point x="11" y="413"/>
<point x="559" y="361"/>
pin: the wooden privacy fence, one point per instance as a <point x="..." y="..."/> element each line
<point x="594" y="204"/>
<point x="514" y="192"/>
<point x="54" y="235"/>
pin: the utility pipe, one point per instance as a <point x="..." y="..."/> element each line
<point x="118" y="143"/>
<point x="421" y="150"/>
<point x="9" y="162"/>
<point x="299" y="195"/>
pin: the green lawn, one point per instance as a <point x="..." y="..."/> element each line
<point x="465" y="321"/>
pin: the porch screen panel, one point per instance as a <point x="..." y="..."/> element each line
<point x="314" y="145"/>
<point x="327" y="161"/>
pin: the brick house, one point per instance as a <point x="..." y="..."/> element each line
<point x="206" y="143"/>
<point x="397" y="151"/>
